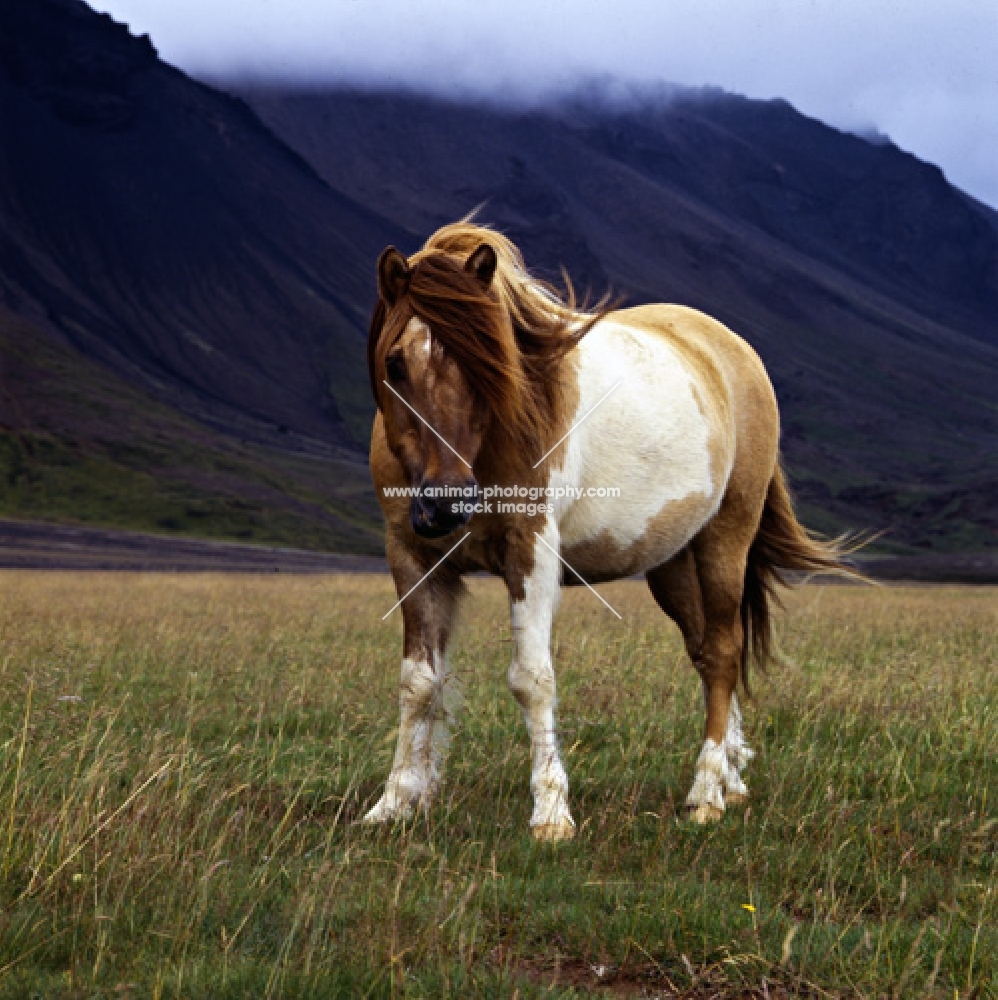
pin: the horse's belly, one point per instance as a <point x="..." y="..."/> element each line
<point x="634" y="542"/>
<point x="650" y="461"/>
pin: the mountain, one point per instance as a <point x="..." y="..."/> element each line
<point x="79" y="443"/>
<point x="165" y="254"/>
<point x="868" y="284"/>
<point x="160" y="228"/>
<point x="186" y="277"/>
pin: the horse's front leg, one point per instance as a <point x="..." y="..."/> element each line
<point x="533" y="599"/>
<point x="425" y="700"/>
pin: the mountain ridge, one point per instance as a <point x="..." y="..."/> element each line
<point x="186" y="278"/>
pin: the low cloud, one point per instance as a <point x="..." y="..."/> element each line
<point x="922" y="72"/>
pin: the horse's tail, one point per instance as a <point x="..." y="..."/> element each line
<point x="782" y="544"/>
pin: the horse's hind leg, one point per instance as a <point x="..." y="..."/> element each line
<point x="720" y="553"/>
<point x="676" y="587"/>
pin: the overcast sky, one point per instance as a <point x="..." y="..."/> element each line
<point x="924" y="72"/>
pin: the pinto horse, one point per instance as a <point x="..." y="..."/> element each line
<point x="486" y="377"/>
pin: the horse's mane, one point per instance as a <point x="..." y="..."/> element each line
<point x="509" y="338"/>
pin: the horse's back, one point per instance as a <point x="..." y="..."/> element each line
<point x="732" y="375"/>
<point x="708" y="346"/>
<point x="667" y="436"/>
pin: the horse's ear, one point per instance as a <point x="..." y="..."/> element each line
<point x="393" y="276"/>
<point x="483" y="263"/>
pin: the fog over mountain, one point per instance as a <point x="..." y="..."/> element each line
<point x="922" y="72"/>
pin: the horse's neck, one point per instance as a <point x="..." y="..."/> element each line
<point x="554" y="399"/>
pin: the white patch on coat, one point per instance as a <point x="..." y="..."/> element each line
<point x="718" y="771"/>
<point x="426" y="699"/>
<point x="649" y="438"/>
<point x="738" y="751"/>
<point x="532" y="681"/>
<point x="707" y="793"/>
<point x="418" y="329"/>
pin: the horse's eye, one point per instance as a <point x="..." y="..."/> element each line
<point x="395" y="366"/>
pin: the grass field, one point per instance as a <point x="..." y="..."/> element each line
<point x="182" y="759"/>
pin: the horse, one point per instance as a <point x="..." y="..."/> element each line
<point x="491" y="383"/>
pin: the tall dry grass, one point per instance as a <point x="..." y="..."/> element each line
<point x="182" y="759"/>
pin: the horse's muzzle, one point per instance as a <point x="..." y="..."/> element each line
<point x="442" y="508"/>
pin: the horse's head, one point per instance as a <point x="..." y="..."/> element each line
<point x="427" y="352"/>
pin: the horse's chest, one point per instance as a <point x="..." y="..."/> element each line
<point x="646" y="466"/>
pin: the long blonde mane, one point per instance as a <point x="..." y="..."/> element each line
<point x="510" y="339"/>
<point x="533" y="305"/>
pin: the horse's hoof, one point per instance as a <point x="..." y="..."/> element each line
<point x="703" y="814"/>
<point x="376" y="821"/>
<point x="553" y="832"/>
<point x="384" y="815"/>
<point x="735" y="798"/>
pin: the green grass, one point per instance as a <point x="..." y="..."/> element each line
<point x="79" y="444"/>
<point x="216" y="492"/>
<point x="182" y="759"/>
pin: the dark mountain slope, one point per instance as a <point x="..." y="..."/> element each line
<point x="158" y="227"/>
<point x="871" y="211"/>
<point x="184" y="295"/>
<point x="866" y="282"/>
<point x="79" y="443"/>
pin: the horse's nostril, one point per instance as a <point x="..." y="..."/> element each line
<point x="422" y="510"/>
<point x="441" y="508"/>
